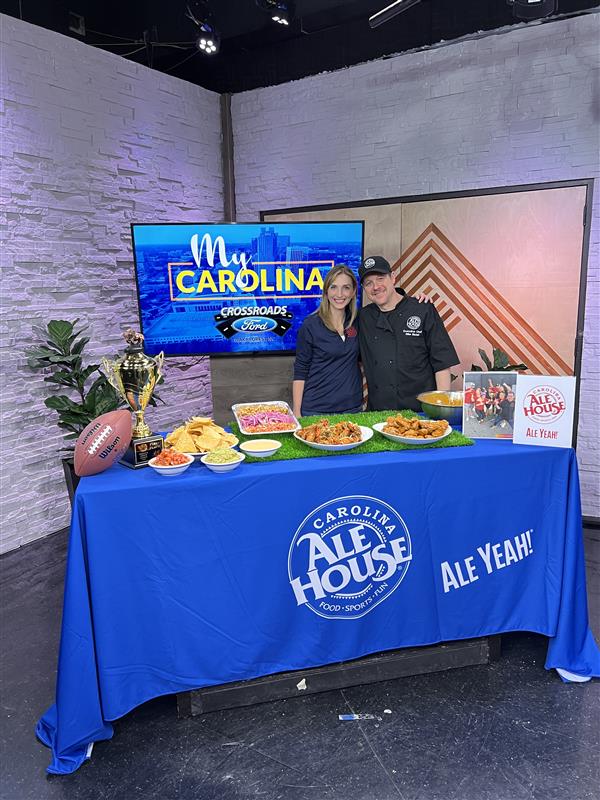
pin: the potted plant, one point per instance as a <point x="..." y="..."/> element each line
<point x="500" y="362"/>
<point x="86" y="391"/>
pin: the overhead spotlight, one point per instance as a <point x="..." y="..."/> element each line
<point x="209" y="39"/>
<point x="533" y="9"/>
<point x="208" y="42"/>
<point x="281" y="11"/>
<point x="390" y="11"/>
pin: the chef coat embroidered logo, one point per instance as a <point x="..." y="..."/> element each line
<point x="413" y="323"/>
<point x="347" y="556"/>
<point x="369" y="262"/>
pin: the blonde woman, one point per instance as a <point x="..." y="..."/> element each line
<point x="327" y="378"/>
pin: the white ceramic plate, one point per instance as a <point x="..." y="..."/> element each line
<point x="408" y="439"/>
<point x="367" y="433"/>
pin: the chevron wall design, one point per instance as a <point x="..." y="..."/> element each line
<point x="434" y="265"/>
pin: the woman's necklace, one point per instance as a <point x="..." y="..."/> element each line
<point x="339" y="321"/>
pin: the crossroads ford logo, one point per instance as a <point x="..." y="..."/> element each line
<point x="347" y="556"/>
<point x="254" y="324"/>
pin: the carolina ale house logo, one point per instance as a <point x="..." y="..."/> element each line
<point x="347" y="556"/>
<point x="544" y="404"/>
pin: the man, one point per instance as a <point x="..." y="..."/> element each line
<point x="404" y="346"/>
<point x="505" y="413"/>
<point x="469" y="401"/>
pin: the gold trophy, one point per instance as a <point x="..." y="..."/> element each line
<point x="134" y="376"/>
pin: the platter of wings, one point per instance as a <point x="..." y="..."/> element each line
<point x="413" y="431"/>
<point x="324" y="435"/>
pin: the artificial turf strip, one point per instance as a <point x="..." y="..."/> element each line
<point x="291" y="448"/>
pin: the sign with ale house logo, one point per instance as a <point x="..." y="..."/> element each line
<point x="544" y="408"/>
<point x="347" y="556"/>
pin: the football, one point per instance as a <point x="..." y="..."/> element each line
<point x="102" y="442"/>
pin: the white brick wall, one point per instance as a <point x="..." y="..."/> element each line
<point x="512" y="108"/>
<point x="90" y="143"/>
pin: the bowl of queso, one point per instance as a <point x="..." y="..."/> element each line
<point x="260" y="448"/>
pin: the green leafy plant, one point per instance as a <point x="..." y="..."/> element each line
<point x="61" y="353"/>
<point x="500" y="362"/>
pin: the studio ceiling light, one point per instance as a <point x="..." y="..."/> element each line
<point x="208" y="43"/>
<point x="209" y="39"/>
<point x="390" y="11"/>
<point x="281" y="11"/>
<point x="533" y="9"/>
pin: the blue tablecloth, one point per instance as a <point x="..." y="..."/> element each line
<point x="177" y="583"/>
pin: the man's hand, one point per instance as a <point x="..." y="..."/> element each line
<point x="423" y="298"/>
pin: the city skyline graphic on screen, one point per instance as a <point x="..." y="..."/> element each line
<point x="216" y="289"/>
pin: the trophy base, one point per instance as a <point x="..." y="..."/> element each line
<point x="140" y="451"/>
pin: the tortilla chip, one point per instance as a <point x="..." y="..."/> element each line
<point x="208" y="441"/>
<point x="174" y="435"/>
<point x="200" y="435"/>
<point x="197" y="424"/>
<point x="185" y="443"/>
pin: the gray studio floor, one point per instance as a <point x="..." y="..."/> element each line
<point x="504" y="731"/>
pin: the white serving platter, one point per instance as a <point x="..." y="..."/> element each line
<point x="379" y="426"/>
<point x="367" y="433"/>
<point x="285" y="409"/>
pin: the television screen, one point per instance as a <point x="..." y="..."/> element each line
<point x="216" y="289"/>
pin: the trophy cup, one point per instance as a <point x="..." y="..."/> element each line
<point x="134" y="376"/>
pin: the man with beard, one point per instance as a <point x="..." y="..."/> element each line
<point x="404" y="346"/>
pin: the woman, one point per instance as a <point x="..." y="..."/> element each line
<point x="327" y="378"/>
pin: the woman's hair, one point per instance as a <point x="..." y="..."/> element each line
<point x="324" y="309"/>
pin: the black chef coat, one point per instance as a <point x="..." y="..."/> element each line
<point x="401" y="350"/>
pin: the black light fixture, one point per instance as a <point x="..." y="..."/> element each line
<point x="209" y="39"/>
<point x="390" y="11"/>
<point x="533" y="9"/>
<point x="281" y="11"/>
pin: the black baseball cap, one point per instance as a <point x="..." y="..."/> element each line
<point x="376" y="264"/>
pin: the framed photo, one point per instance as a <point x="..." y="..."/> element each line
<point x="489" y="404"/>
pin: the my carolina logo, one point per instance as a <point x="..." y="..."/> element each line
<point x="413" y="323"/>
<point x="544" y="404"/>
<point x="347" y="556"/>
<point x="369" y="262"/>
<point x="238" y="275"/>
